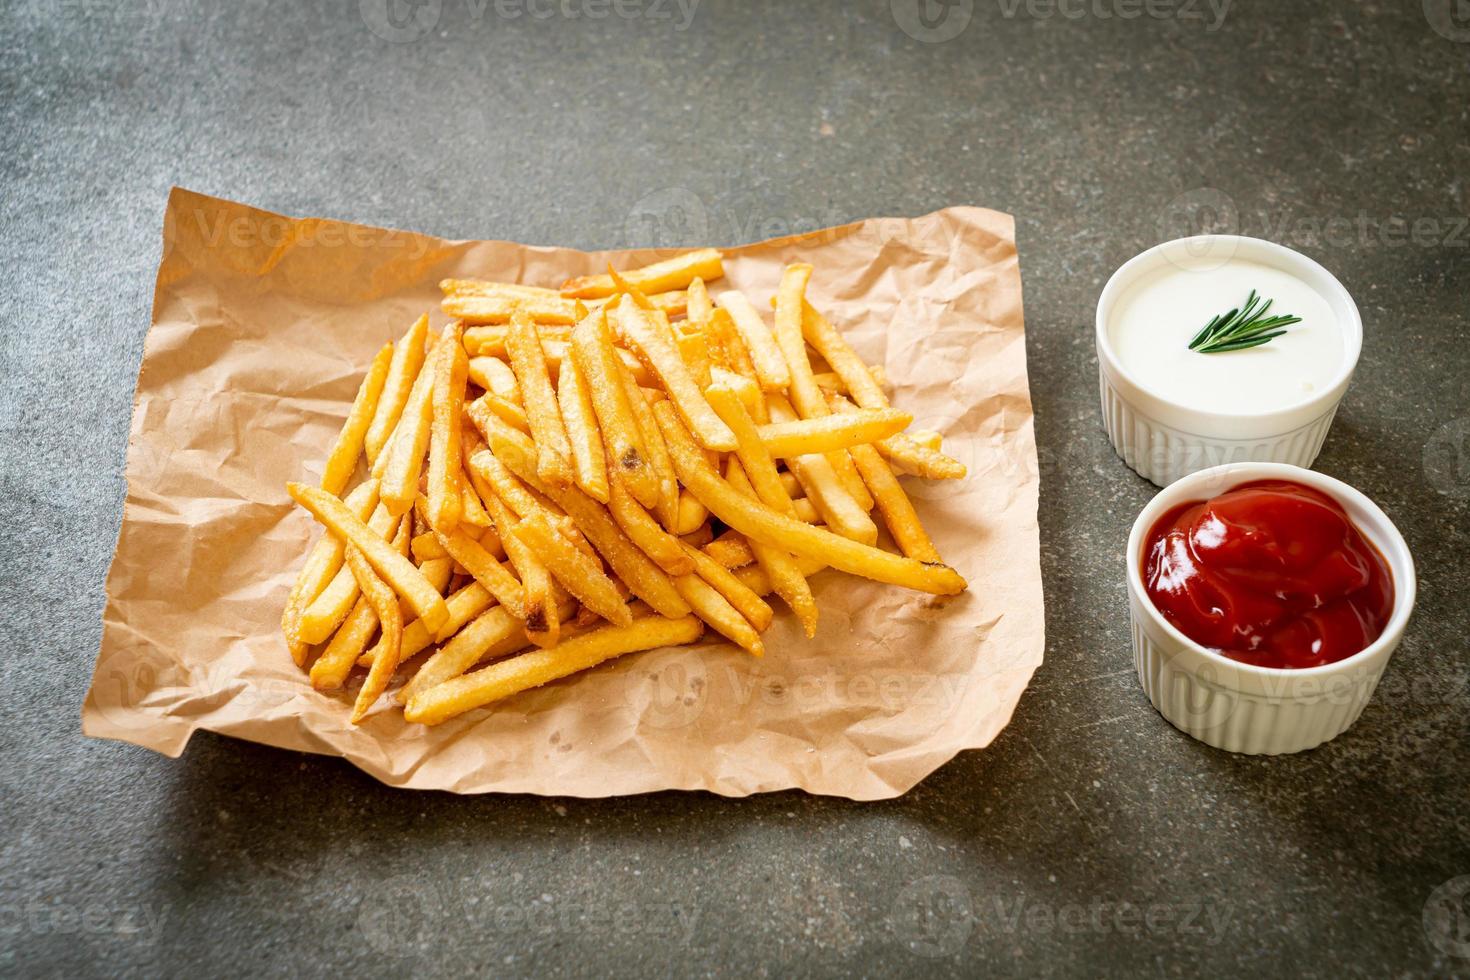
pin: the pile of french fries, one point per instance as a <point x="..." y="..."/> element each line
<point x="560" y="477"/>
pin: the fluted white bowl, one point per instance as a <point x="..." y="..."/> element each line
<point x="1241" y="707"/>
<point x="1164" y="441"/>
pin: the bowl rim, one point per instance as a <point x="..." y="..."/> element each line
<point x="1405" y="592"/>
<point x="1129" y="272"/>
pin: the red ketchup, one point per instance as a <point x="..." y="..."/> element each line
<point x="1271" y="573"/>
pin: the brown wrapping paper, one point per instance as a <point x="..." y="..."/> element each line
<point x="262" y="328"/>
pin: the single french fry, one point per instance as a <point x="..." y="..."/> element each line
<point x="583" y="432"/>
<point x="670" y="274"/>
<point x="691" y="514"/>
<point x="388" y="649"/>
<point x="342" y="460"/>
<point x="831" y="432"/>
<point x="790" y="296"/>
<point x="638" y="572"/>
<point x="320" y="569"/>
<point x="402" y="460"/>
<point x="403" y="369"/>
<point x="486" y="287"/>
<point x="508" y="410"/>
<point x="528" y="360"/>
<point x="446" y="502"/>
<point x="780" y="565"/>
<point x="730" y="549"/>
<point x="490" y="341"/>
<point x="579" y="574"/>
<point x="626" y="454"/>
<point x="395" y="569"/>
<point x="755" y="609"/>
<point x="645" y="532"/>
<point x="919" y="460"/>
<point x="667" y="505"/>
<point x="927" y="438"/>
<point x="699" y="306"/>
<point x="479" y="310"/>
<point x="333" y="604"/>
<point x="760" y="523"/>
<point x="713" y="608"/>
<point x="543" y="625"/>
<point x="486" y="570"/>
<point x="791" y="484"/>
<point x="655" y="347"/>
<point x="538" y="667"/>
<point x="765" y="354"/>
<point x="494" y="375"/>
<point x="825" y="339"/>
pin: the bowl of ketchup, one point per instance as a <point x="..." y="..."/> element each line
<point x="1266" y="602"/>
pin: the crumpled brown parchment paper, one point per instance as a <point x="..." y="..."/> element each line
<point x="262" y="328"/>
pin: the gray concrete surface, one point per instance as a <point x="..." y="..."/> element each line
<point x="1340" y="128"/>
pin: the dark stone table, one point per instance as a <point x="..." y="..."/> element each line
<point x="1091" y="837"/>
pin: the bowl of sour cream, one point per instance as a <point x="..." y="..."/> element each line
<point x="1222" y="349"/>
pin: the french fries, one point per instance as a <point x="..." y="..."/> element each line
<point x="446" y="501"/>
<point x="832" y="432"/>
<point x="501" y="680"/>
<point x="639" y="479"/>
<point x="654" y="345"/>
<point x="583" y="433"/>
<point x="528" y="360"/>
<point x="627" y="456"/>
<point x="760" y="523"/>
<point x="765" y="353"/>
<point x="342" y="460"/>
<point x="403" y="369"/>
<point x="675" y="273"/>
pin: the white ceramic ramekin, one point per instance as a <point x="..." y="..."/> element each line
<point x="1163" y="440"/>
<point x="1243" y="708"/>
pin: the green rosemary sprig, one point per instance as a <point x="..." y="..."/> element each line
<point x="1242" y="328"/>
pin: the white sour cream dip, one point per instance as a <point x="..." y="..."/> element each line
<point x="1156" y="318"/>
